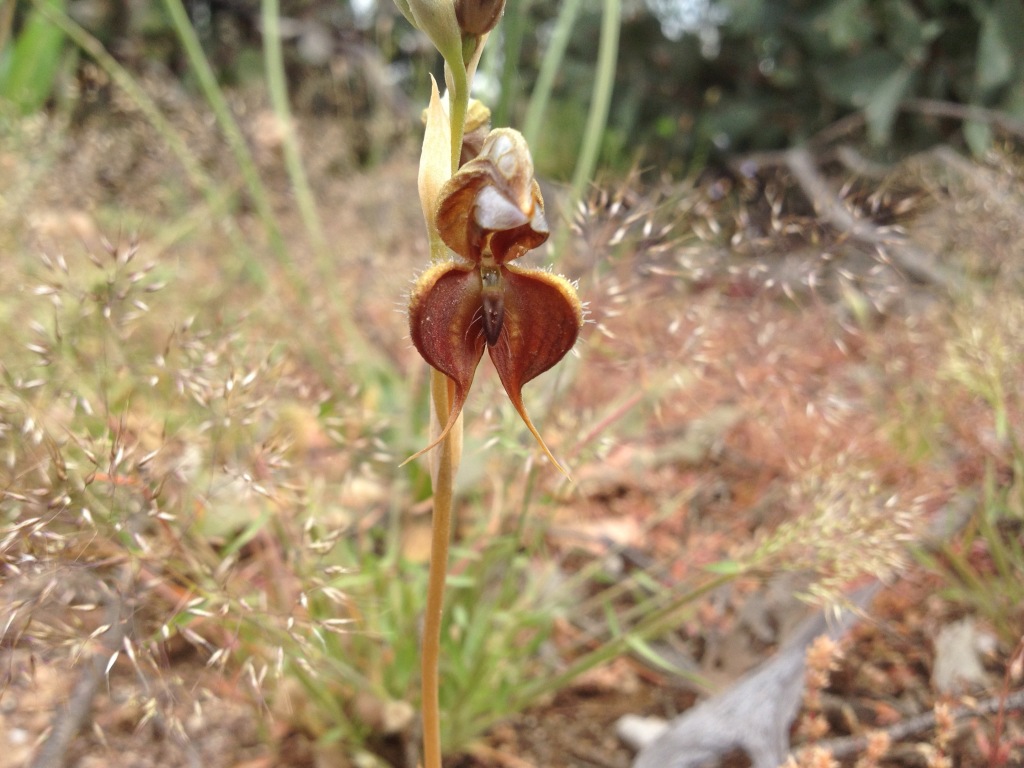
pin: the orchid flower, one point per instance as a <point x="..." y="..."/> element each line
<point x="489" y="213"/>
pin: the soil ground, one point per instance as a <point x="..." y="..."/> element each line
<point x="785" y="345"/>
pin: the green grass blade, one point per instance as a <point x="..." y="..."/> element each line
<point x="604" y="83"/>
<point x="29" y="70"/>
<point x="6" y="23"/>
<point x="553" y="58"/>
<point x="273" y="60"/>
<point x="651" y="625"/>
<point x="229" y="126"/>
<point x="214" y="197"/>
<point x="305" y="200"/>
<point x="513" y="25"/>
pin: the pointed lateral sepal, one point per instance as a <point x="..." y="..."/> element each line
<point x="443" y="312"/>
<point x="542" y="321"/>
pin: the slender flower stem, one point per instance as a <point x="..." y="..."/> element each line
<point x="441" y="534"/>
<point x="444" y="483"/>
<point x="459" y="104"/>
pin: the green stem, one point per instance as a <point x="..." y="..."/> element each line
<point x="549" y="68"/>
<point x="458" y="104"/>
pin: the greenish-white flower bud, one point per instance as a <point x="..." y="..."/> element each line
<point x="437" y="18"/>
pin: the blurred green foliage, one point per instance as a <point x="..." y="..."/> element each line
<point x="748" y="75"/>
<point x="695" y="78"/>
<point x="31" y="61"/>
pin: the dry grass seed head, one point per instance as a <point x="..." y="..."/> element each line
<point x="841" y="502"/>
<point x="822" y="658"/>
<point x="933" y="756"/>
<point x="878" y="744"/>
<point x="812" y="757"/>
<point x="945" y="725"/>
<point x="813" y="727"/>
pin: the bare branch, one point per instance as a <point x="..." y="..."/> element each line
<point x="914" y="261"/>
<point x="68" y="720"/>
<point x="848" y="746"/>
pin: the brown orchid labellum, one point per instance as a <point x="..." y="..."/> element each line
<point x="490" y="212"/>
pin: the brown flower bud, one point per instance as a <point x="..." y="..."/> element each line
<point x="478" y="17"/>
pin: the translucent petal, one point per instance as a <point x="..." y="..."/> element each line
<point x="510" y="244"/>
<point x="495" y="211"/>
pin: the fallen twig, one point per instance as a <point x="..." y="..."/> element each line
<point x="68" y="720"/>
<point x="966" y="113"/>
<point x="914" y="261"/>
<point x="847" y="746"/>
<point x="930" y="108"/>
<point x="754" y="715"/>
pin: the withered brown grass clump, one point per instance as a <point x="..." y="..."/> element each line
<point x="143" y="458"/>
